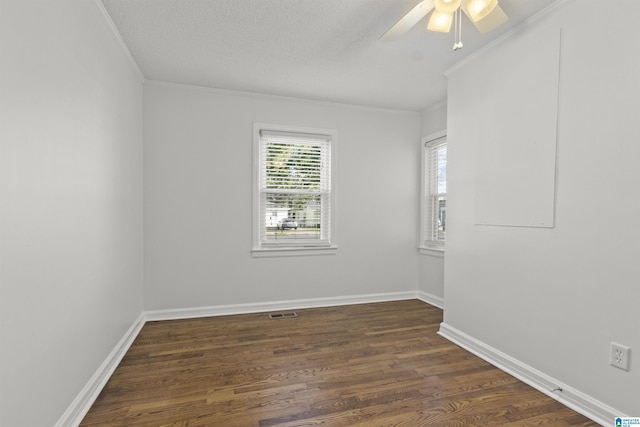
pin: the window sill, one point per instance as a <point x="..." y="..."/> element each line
<point x="287" y="252"/>
<point x="432" y="250"/>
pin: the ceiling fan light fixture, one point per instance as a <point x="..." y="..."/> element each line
<point x="479" y="9"/>
<point x="440" y="22"/>
<point x="447" y="6"/>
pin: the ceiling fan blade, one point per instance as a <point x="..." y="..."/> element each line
<point x="408" y="20"/>
<point x="490" y="22"/>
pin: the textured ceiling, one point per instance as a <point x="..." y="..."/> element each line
<point x="315" y="49"/>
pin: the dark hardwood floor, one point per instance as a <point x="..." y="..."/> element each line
<point x="360" y="365"/>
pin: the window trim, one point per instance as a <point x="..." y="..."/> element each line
<point x="428" y="247"/>
<point x="325" y="248"/>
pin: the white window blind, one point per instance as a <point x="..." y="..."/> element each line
<point x="435" y="197"/>
<point x="294" y="189"/>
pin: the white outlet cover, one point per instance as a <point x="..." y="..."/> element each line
<point x="620" y="356"/>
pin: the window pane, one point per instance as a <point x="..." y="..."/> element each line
<point x="442" y="216"/>
<point x="442" y="169"/>
<point x="435" y="197"/>
<point x="294" y="189"/>
<point x="293" y="166"/>
<point x="292" y="216"/>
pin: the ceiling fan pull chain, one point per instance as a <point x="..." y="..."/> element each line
<point x="455" y="29"/>
<point x="458" y="30"/>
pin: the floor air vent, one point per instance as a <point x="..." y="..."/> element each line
<point x="283" y="315"/>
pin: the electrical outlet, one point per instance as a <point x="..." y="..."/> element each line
<point x="620" y="356"/>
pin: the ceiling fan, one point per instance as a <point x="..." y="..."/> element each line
<point x="486" y="15"/>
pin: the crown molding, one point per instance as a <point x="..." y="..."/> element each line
<point x="436" y="106"/>
<point x="282" y="98"/>
<point x="120" y="40"/>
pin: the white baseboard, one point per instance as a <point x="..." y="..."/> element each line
<point x="570" y="397"/>
<point x="224" y="310"/>
<point x="434" y="300"/>
<point x="89" y="393"/>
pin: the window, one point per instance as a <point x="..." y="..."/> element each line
<point x="294" y="204"/>
<point x="434" y="201"/>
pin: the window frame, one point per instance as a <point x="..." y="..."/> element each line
<point x="428" y="245"/>
<point x="261" y="248"/>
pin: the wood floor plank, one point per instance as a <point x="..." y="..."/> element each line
<point x="376" y="364"/>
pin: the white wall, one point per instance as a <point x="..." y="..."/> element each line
<point x="554" y="298"/>
<point x="434" y="119"/>
<point x="431" y="276"/>
<point x="70" y="203"/>
<point x="431" y="264"/>
<point x="198" y="172"/>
